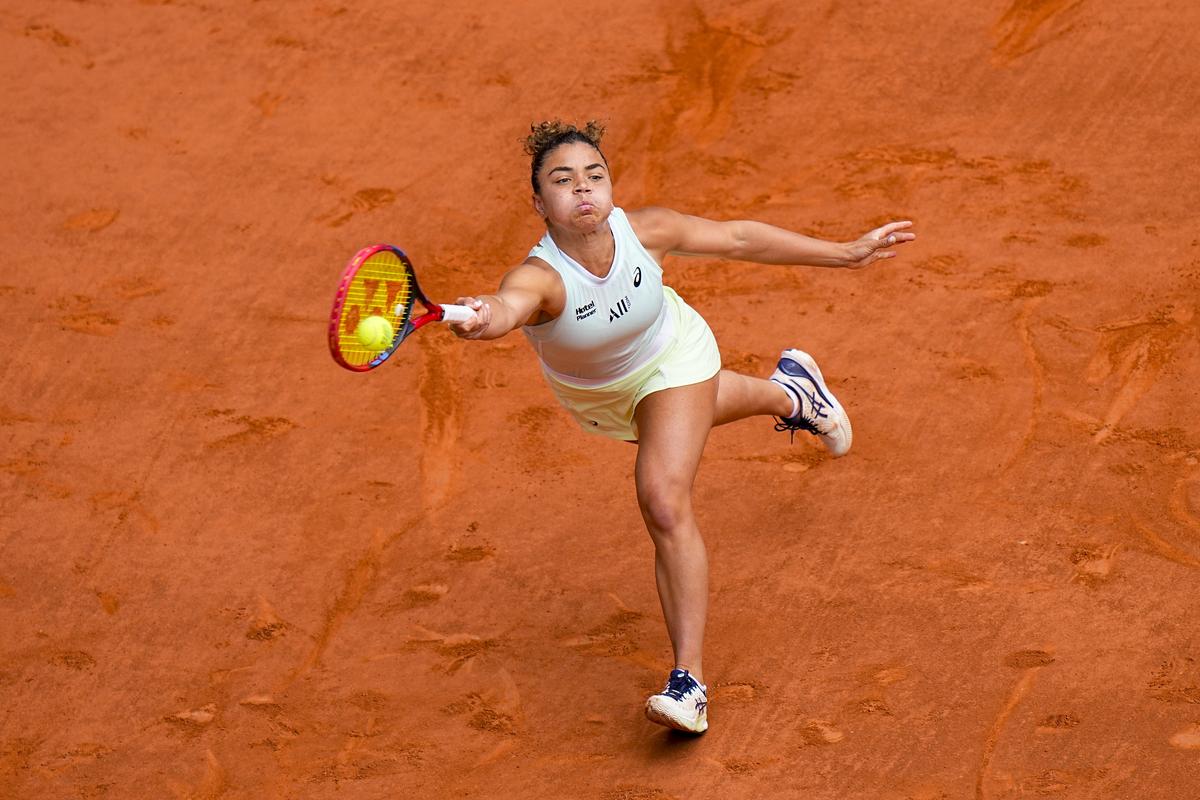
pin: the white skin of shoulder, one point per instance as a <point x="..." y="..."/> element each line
<point x="575" y="200"/>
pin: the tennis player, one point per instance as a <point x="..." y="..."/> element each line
<point x="629" y="359"/>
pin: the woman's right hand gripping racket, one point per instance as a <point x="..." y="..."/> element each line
<point x="373" y="309"/>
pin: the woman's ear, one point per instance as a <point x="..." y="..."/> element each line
<point x="538" y="207"/>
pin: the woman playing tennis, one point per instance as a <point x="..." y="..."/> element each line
<point x="629" y="359"/>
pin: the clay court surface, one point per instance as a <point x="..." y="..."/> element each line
<point x="230" y="569"/>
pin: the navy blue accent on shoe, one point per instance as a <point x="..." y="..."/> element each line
<point x="679" y="683"/>
<point x="817" y="405"/>
<point x="789" y="367"/>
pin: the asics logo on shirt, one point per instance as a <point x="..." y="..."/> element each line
<point x="620" y="309"/>
<point x="637" y="278"/>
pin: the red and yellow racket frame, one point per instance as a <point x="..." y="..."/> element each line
<point x="379" y="281"/>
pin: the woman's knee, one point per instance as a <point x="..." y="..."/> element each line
<point x="666" y="505"/>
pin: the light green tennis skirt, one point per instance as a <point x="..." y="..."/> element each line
<point x="690" y="357"/>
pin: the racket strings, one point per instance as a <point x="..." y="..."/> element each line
<point x="381" y="287"/>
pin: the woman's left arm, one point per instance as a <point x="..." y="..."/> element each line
<point x="664" y="231"/>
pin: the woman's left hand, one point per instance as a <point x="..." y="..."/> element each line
<point x="872" y="246"/>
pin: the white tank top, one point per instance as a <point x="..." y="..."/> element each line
<point x="610" y="326"/>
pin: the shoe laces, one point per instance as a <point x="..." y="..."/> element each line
<point x="804" y="421"/>
<point x="679" y="683"/>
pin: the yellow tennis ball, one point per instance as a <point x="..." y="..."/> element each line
<point x="375" y="333"/>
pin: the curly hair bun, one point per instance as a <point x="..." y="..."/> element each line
<point x="544" y="136"/>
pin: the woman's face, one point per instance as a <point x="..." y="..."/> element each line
<point x="576" y="190"/>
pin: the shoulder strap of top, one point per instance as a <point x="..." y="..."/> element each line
<point x="622" y="228"/>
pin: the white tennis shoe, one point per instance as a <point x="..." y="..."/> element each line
<point x="682" y="704"/>
<point x="816" y="410"/>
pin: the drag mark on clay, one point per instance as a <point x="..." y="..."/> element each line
<point x="1164" y="548"/>
<point x="1184" y="497"/>
<point x="441" y="418"/>
<point x="93" y="220"/>
<point x="456" y="649"/>
<point x="708" y="63"/>
<point x="357" y="582"/>
<point x="426" y="594"/>
<point x="1022" y="21"/>
<point x="362" y="201"/>
<point x="213" y="784"/>
<point x="820" y="732"/>
<point x="1029" y="661"/>
<point x="462" y="648"/>
<point x="616" y="636"/>
<point x="1136" y="351"/>
<point x="192" y="721"/>
<point x="736" y="693"/>
<point x="255" y="430"/>
<point x="1034" y="292"/>
<point x="963" y="579"/>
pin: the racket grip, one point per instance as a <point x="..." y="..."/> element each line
<point x="457" y="313"/>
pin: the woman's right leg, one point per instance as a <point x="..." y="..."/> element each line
<point x="796" y="393"/>
<point x="740" y="396"/>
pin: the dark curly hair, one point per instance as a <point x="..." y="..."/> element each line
<point x="546" y="137"/>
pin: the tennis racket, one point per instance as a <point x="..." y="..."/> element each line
<point x="380" y="282"/>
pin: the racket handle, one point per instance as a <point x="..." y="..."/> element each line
<point x="457" y="313"/>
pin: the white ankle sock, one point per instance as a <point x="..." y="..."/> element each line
<point x="795" y="403"/>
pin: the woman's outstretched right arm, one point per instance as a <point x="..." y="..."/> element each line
<point x="528" y="294"/>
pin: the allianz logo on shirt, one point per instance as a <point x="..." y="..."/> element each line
<point x="620" y="309"/>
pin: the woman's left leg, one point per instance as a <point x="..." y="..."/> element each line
<point x="673" y="426"/>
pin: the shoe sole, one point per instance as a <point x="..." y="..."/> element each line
<point x="805" y="360"/>
<point x="661" y="717"/>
